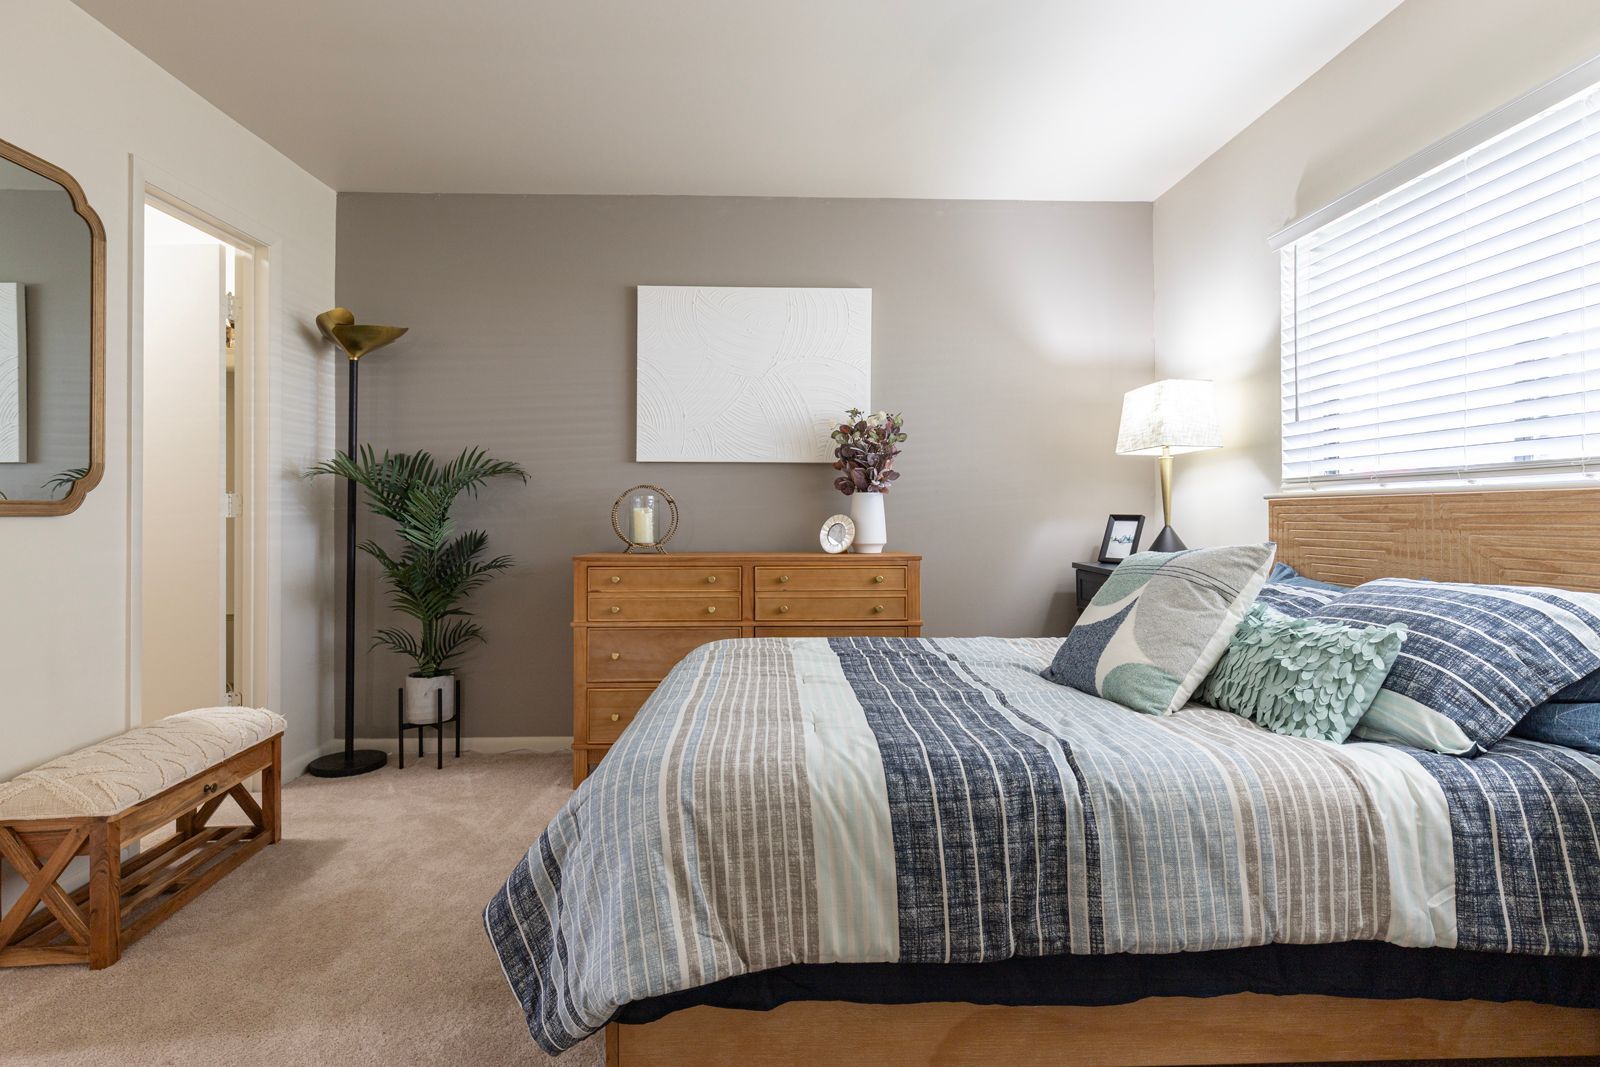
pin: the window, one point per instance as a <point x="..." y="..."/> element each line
<point x="1449" y="328"/>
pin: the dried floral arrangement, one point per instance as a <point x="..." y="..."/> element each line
<point x="865" y="448"/>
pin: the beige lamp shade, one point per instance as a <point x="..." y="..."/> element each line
<point x="1173" y="416"/>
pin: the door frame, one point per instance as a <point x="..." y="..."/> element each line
<point x="256" y="670"/>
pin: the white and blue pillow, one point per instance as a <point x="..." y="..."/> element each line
<point x="1293" y="594"/>
<point x="1159" y="624"/>
<point x="1476" y="660"/>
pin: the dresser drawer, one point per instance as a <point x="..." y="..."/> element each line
<point x="629" y="655"/>
<point x="833" y="631"/>
<point x="620" y="608"/>
<point x="814" y="608"/>
<point x="610" y="710"/>
<point x="840" y="577"/>
<point x="662" y="579"/>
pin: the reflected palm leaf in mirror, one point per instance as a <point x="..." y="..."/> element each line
<point x="52" y="336"/>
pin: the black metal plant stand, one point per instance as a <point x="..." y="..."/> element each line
<point x="437" y="725"/>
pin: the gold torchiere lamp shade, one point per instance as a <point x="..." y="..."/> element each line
<point x="355" y="340"/>
<point x="1164" y="419"/>
<point x="339" y="326"/>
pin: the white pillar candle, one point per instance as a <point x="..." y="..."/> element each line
<point x="643" y="526"/>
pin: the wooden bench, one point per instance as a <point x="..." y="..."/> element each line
<point x="98" y="800"/>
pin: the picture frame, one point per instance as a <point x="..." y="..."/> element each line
<point x="1121" y="539"/>
<point x="838" y="534"/>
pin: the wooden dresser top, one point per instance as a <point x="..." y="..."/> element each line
<point x="613" y="558"/>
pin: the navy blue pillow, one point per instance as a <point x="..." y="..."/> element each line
<point x="1573" y="725"/>
<point x="1583" y="691"/>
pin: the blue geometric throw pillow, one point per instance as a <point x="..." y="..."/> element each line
<point x="1477" y="658"/>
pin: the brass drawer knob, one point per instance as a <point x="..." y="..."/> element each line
<point x="712" y="610"/>
<point x="711" y="579"/>
<point x="615" y="716"/>
<point x="615" y="578"/>
<point x="615" y="610"/>
<point x="783" y="609"/>
<point x="877" y="609"/>
<point x="616" y="655"/>
<point x="783" y="577"/>
<point x="878" y="579"/>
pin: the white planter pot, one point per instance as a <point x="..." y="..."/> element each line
<point x="866" y="509"/>
<point x="422" y="706"/>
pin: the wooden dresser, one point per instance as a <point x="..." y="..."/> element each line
<point x="635" y="616"/>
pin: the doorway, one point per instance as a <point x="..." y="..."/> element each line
<point x="199" y="339"/>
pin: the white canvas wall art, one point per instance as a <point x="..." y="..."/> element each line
<point x="749" y="375"/>
<point x="13" y="374"/>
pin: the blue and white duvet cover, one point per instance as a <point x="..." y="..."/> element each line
<point x="865" y="800"/>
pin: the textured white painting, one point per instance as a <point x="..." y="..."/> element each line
<point x="13" y="374"/>
<point x="749" y="375"/>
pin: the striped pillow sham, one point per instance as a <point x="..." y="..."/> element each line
<point x="1295" y="595"/>
<point x="1477" y="658"/>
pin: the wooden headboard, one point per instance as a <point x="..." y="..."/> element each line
<point x="1508" y="537"/>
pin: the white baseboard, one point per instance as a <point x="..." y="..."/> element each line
<point x="295" y="767"/>
<point x="486" y="745"/>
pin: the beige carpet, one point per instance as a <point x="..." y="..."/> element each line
<point x="357" y="940"/>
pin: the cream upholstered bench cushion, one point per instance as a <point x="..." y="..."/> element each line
<point x="114" y="775"/>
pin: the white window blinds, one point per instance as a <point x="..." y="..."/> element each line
<point x="1450" y="328"/>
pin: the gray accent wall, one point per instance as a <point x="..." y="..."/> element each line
<point x="1006" y="332"/>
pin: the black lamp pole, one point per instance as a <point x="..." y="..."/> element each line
<point x="356" y="341"/>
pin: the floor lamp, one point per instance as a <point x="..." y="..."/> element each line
<point x="339" y="326"/>
<point x="1165" y="419"/>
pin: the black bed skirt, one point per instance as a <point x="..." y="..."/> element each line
<point x="1368" y="969"/>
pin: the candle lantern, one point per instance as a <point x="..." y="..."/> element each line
<point x="645" y="517"/>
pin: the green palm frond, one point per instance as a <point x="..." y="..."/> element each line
<point x="433" y="570"/>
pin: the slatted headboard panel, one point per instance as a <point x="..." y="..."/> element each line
<point x="1517" y="537"/>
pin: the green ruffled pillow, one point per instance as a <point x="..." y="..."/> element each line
<point x="1302" y="677"/>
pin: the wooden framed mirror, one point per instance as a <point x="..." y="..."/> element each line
<point x="52" y="338"/>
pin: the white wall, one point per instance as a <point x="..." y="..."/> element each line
<point x="77" y="95"/>
<point x="1428" y="69"/>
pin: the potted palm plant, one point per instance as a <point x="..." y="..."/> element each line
<point x="436" y="568"/>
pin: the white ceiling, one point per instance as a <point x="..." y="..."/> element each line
<point x="1004" y="99"/>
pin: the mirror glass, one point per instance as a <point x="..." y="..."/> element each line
<point x="46" y="332"/>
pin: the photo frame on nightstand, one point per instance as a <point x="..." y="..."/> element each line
<point x="1122" y="537"/>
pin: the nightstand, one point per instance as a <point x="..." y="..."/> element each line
<point x="1091" y="576"/>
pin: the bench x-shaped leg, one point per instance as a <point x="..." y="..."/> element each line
<point x="42" y="884"/>
<point x="196" y="820"/>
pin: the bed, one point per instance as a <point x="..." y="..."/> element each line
<point x="840" y="830"/>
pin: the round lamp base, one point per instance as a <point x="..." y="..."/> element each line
<point x="1167" y="541"/>
<point x="347" y="764"/>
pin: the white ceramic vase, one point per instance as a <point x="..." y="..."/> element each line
<point x="422" y="706"/>
<point x="866" y="510"/>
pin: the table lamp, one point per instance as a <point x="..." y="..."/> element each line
<point x="1165" y="419"/>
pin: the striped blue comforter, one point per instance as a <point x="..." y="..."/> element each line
<point x="923" y="800"/>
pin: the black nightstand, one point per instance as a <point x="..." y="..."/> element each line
<point x="1091" y="576"/>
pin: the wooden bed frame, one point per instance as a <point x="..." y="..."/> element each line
<point x="1531" y="537"/>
